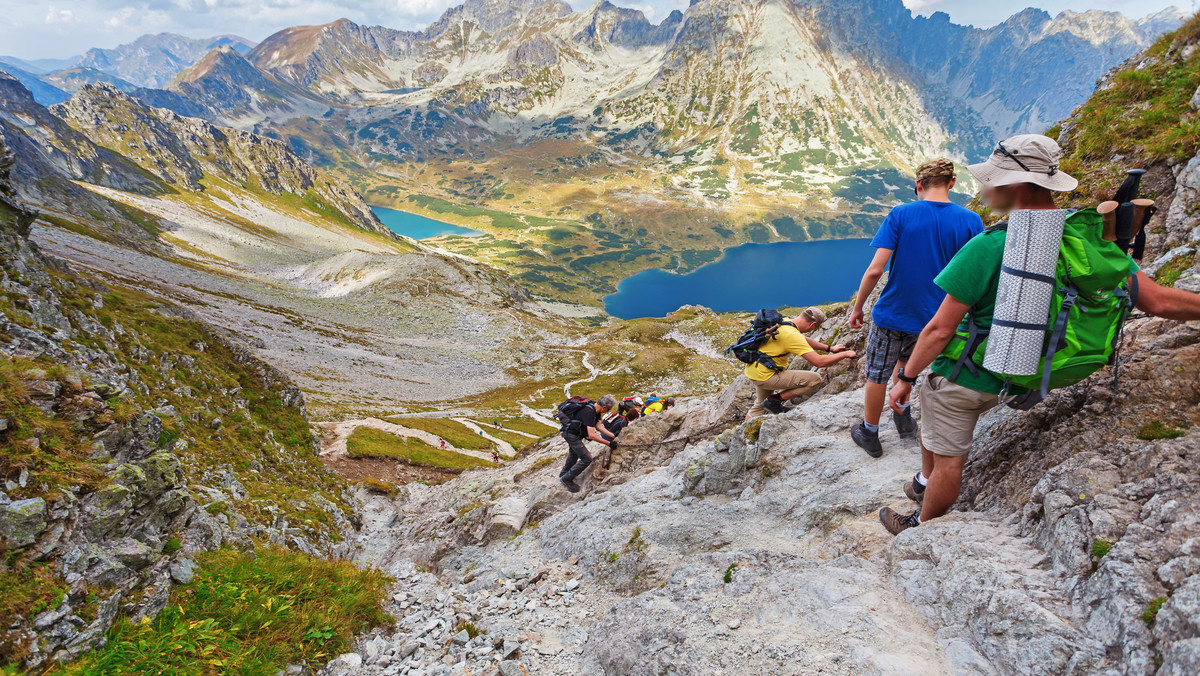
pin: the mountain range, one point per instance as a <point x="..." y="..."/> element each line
<point x="612" y="144"/>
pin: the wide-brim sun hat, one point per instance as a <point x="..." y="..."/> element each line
<point x="1026" y="158"/>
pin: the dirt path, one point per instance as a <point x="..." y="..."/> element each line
<point x="503" y="446"/>
<point x="333" y="442"/>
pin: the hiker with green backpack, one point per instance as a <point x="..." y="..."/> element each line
<point x="1089" y="293"/>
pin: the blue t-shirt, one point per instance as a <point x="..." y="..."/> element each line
<point x="923" y="237"/>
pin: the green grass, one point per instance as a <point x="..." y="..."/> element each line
<point x="366" y="442"/>
<point x="27" y="592"/>
<point x="728" y="577"/>
<point x="1157" y="429"/>
<point x="528" y="425"/>
<point x="60" y="457"/>
<point x="455" y="433"/>
<point x="518" y="441"/>
<point x="247" y="614"/>
<point x="1101" y="548"/>
<point x="1148" y="108"/>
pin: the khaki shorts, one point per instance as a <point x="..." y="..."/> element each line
<point x="949" y="413"/>
<point x="801" y="382"/>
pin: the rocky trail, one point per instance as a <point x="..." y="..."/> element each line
<point x="730" y="558"/>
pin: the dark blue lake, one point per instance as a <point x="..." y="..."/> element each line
<point x="750" y="277"/>
<point x="419" y="227"/>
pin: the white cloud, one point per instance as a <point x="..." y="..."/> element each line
<point x="923" y="6"/>
<point x="59" y="16"/>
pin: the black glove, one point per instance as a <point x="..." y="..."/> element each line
<point x="612" y="445"/>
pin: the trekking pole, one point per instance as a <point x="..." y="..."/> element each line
<point x="1108" y="212"/>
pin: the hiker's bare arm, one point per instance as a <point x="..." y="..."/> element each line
<point x="818" y="345"/>
<point x="1166" y="302"/>
<point x="602" y="429"/>
<point x="870" y="278"/>
<point x="595" y="436"/>
<point x="934" y="337"/>
<point x="822" y="360"/>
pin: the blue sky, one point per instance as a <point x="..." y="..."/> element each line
<point x="61" y="28"/>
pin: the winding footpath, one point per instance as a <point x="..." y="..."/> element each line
<point x="334" y="445"/>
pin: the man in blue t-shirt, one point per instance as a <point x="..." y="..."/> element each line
<point x="919" y="239"/>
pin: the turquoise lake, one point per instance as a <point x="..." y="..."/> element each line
<point x="750" y="277"/>
<point x="419" y="227"/>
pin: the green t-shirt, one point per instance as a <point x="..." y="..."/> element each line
<point x="973" y="278"/>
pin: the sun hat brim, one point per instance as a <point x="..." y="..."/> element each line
<point x="994" y="176"/>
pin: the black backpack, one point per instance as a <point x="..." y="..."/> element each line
<point x="763" y="327"/>
<point x="568" y="410"/>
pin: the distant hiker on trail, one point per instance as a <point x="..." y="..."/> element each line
<point x="581" y="419"/>
<point x="495" y="456"/>
<point x="1021" y="176"/>
<point x="767" y="361"/>
<point x="443" y="443"/>
<point x="918" y="239"/>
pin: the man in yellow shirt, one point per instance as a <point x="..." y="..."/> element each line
<point x="788" y="341"/>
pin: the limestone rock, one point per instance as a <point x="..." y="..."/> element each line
<point x="21" y="521"/>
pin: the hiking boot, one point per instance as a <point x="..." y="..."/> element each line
<point x="867" y="440"/>
<point x="570" y="484"/>
<point x="905" y="425"/>
<point x="914" y="490"/>
<point x="774" y="406"/>
<point x="895" y="522"/>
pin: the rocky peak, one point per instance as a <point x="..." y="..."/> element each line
<point x="153" y="60"/>
<point x="608" y="24"/>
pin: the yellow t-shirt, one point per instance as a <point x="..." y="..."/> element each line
<point x="653" y="408"/>
<point x="786" y="342"/>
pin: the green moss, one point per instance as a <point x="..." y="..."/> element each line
<point x="1170" y="273"/>
<point x="1151" y="612"/>
<point x="173" y="545"/>
<point x="753" y="428"/>
<point x="728" y="577"/>
<point x="1157" y="429"/>
<point x="247" y="614"/>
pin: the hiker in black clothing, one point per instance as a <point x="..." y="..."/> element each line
<point x="616" y="421"/>
<point x="582" y="421"/>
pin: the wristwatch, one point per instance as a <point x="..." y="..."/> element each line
<point x="904" y="378"/>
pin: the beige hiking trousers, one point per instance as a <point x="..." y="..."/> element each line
<point x="802" y="383"/>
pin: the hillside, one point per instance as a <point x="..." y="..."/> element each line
<point x="134" y="440"/>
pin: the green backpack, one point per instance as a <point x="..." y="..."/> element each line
<point x="1093" y="298"/>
